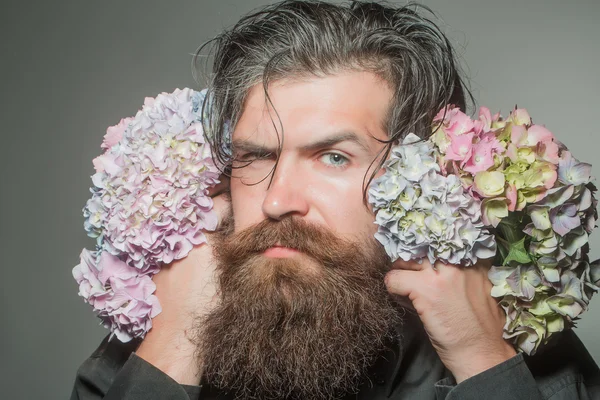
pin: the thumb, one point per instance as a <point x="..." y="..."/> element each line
<point x="221" y="197"/>
<point x="403" y="282"/>
<point x="222" y="207"/>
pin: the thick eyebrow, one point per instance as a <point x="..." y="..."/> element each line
<point x="252" y="148"/>
<point x="333" y="140"/>
<point x="249" y="147"/>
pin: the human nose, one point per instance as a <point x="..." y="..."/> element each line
<point x="286" y="194"/>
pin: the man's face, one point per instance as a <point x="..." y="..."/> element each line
<point x="303" y="308"/>
<point x="329" y="130"/>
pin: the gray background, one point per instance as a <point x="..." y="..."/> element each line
<point x="69" y="69"/>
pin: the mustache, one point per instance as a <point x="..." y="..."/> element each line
<point x="293" y="232"/>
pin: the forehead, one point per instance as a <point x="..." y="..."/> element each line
<point x="309" y="107"/>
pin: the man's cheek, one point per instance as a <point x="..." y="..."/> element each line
<point x="246" y="208"/>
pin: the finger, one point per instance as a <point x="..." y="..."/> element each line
<point x="404" y="302"/>
<point x="219" y="188"/>
<point x="222" y="206"/>
<point x="411" y="265"/>
<point x="402" y="282"/>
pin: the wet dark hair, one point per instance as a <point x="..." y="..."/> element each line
<point x="295" y="38"/>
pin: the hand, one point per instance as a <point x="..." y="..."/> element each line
<point x="187" y="291"/>
<point x="462" y="319"/>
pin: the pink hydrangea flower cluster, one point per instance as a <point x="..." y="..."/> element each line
<point x="537" y="201"/>
<point x="149" y="207"/>
<point x="541" y="203"/>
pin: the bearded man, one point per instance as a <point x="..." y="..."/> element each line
<point x="293" y="298"/>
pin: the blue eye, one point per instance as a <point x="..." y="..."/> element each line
<point x="334" y="159"/>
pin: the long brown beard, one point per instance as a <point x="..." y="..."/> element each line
<point x="306" y="327"/>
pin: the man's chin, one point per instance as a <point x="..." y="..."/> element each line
<point x="292" y="335"/>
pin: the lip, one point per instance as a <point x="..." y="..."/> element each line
<point x="280" y="252"/>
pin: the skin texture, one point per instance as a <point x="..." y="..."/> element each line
<point x="323" y="185"/>
<point x="308" y="183"/>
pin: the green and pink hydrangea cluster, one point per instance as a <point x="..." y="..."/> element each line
<point x="149" y="207"/>
<point x="532" y="197"/>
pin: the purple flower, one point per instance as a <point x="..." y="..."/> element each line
<point x="564" y="218"/>
<point x="422" y="213"/>
<point x="122" y="297"/>
<point x="573" y="172"/>
<point x="149" y="207"/>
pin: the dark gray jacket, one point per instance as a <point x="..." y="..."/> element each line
<point x="564" y="371"/>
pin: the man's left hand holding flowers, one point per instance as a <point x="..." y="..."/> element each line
<point x="463" y="321"/>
